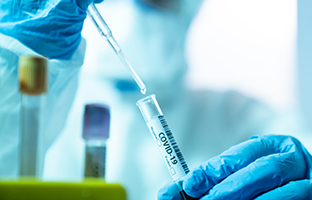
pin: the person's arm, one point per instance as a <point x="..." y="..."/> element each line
<point x="266" y="167"/>
<point x="51" y="28"/>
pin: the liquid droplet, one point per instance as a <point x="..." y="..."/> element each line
<point x="143" y="90"/>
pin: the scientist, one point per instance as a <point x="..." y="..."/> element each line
<point x="204" y="122"/>
<point x="52" y="28"/>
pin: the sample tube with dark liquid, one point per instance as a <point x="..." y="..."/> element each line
<point x="95" y="133"/>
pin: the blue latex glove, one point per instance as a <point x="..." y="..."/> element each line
<point x="266" y="167"/>
<point x="49" y="27"/>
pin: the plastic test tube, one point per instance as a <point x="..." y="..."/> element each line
<point x="95" y="133"/>
<point x="32" y="85"/>
<point x="163" y="136"/>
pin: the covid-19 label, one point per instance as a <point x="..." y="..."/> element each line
<point x="168" y="147"/>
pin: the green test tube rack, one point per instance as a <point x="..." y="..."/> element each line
<point x="39" y="190"/>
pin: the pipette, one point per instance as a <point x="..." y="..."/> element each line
<point x="106" y="34"/>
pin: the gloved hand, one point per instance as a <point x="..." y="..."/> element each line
<point x="265" y="167"/>
<point x="50" y="27"/>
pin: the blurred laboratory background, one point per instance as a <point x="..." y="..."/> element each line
<point x="222" y="71"/>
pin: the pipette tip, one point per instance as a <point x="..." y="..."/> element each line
<point x="143" y="90"/>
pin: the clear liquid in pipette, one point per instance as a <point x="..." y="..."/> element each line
<point x="137" y="79"/>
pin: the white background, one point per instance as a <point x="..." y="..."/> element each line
<point x="246" y="45"/>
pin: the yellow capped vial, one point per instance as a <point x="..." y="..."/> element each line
<point x="33" y="75"/>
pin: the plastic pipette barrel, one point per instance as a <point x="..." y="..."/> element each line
<point x="106" y="33"/>
<point x="32" y="78"/>
<point x="95" y="133"/>
<point x="165" y="141"/>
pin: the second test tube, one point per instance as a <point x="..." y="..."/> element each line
<point x="95" y="133"/>
<point x="33" y="84"/>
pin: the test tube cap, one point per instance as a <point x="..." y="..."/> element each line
<point x="33" y="75"/>
<point x="96" y="122"/>
<point x="149" y="107"/>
